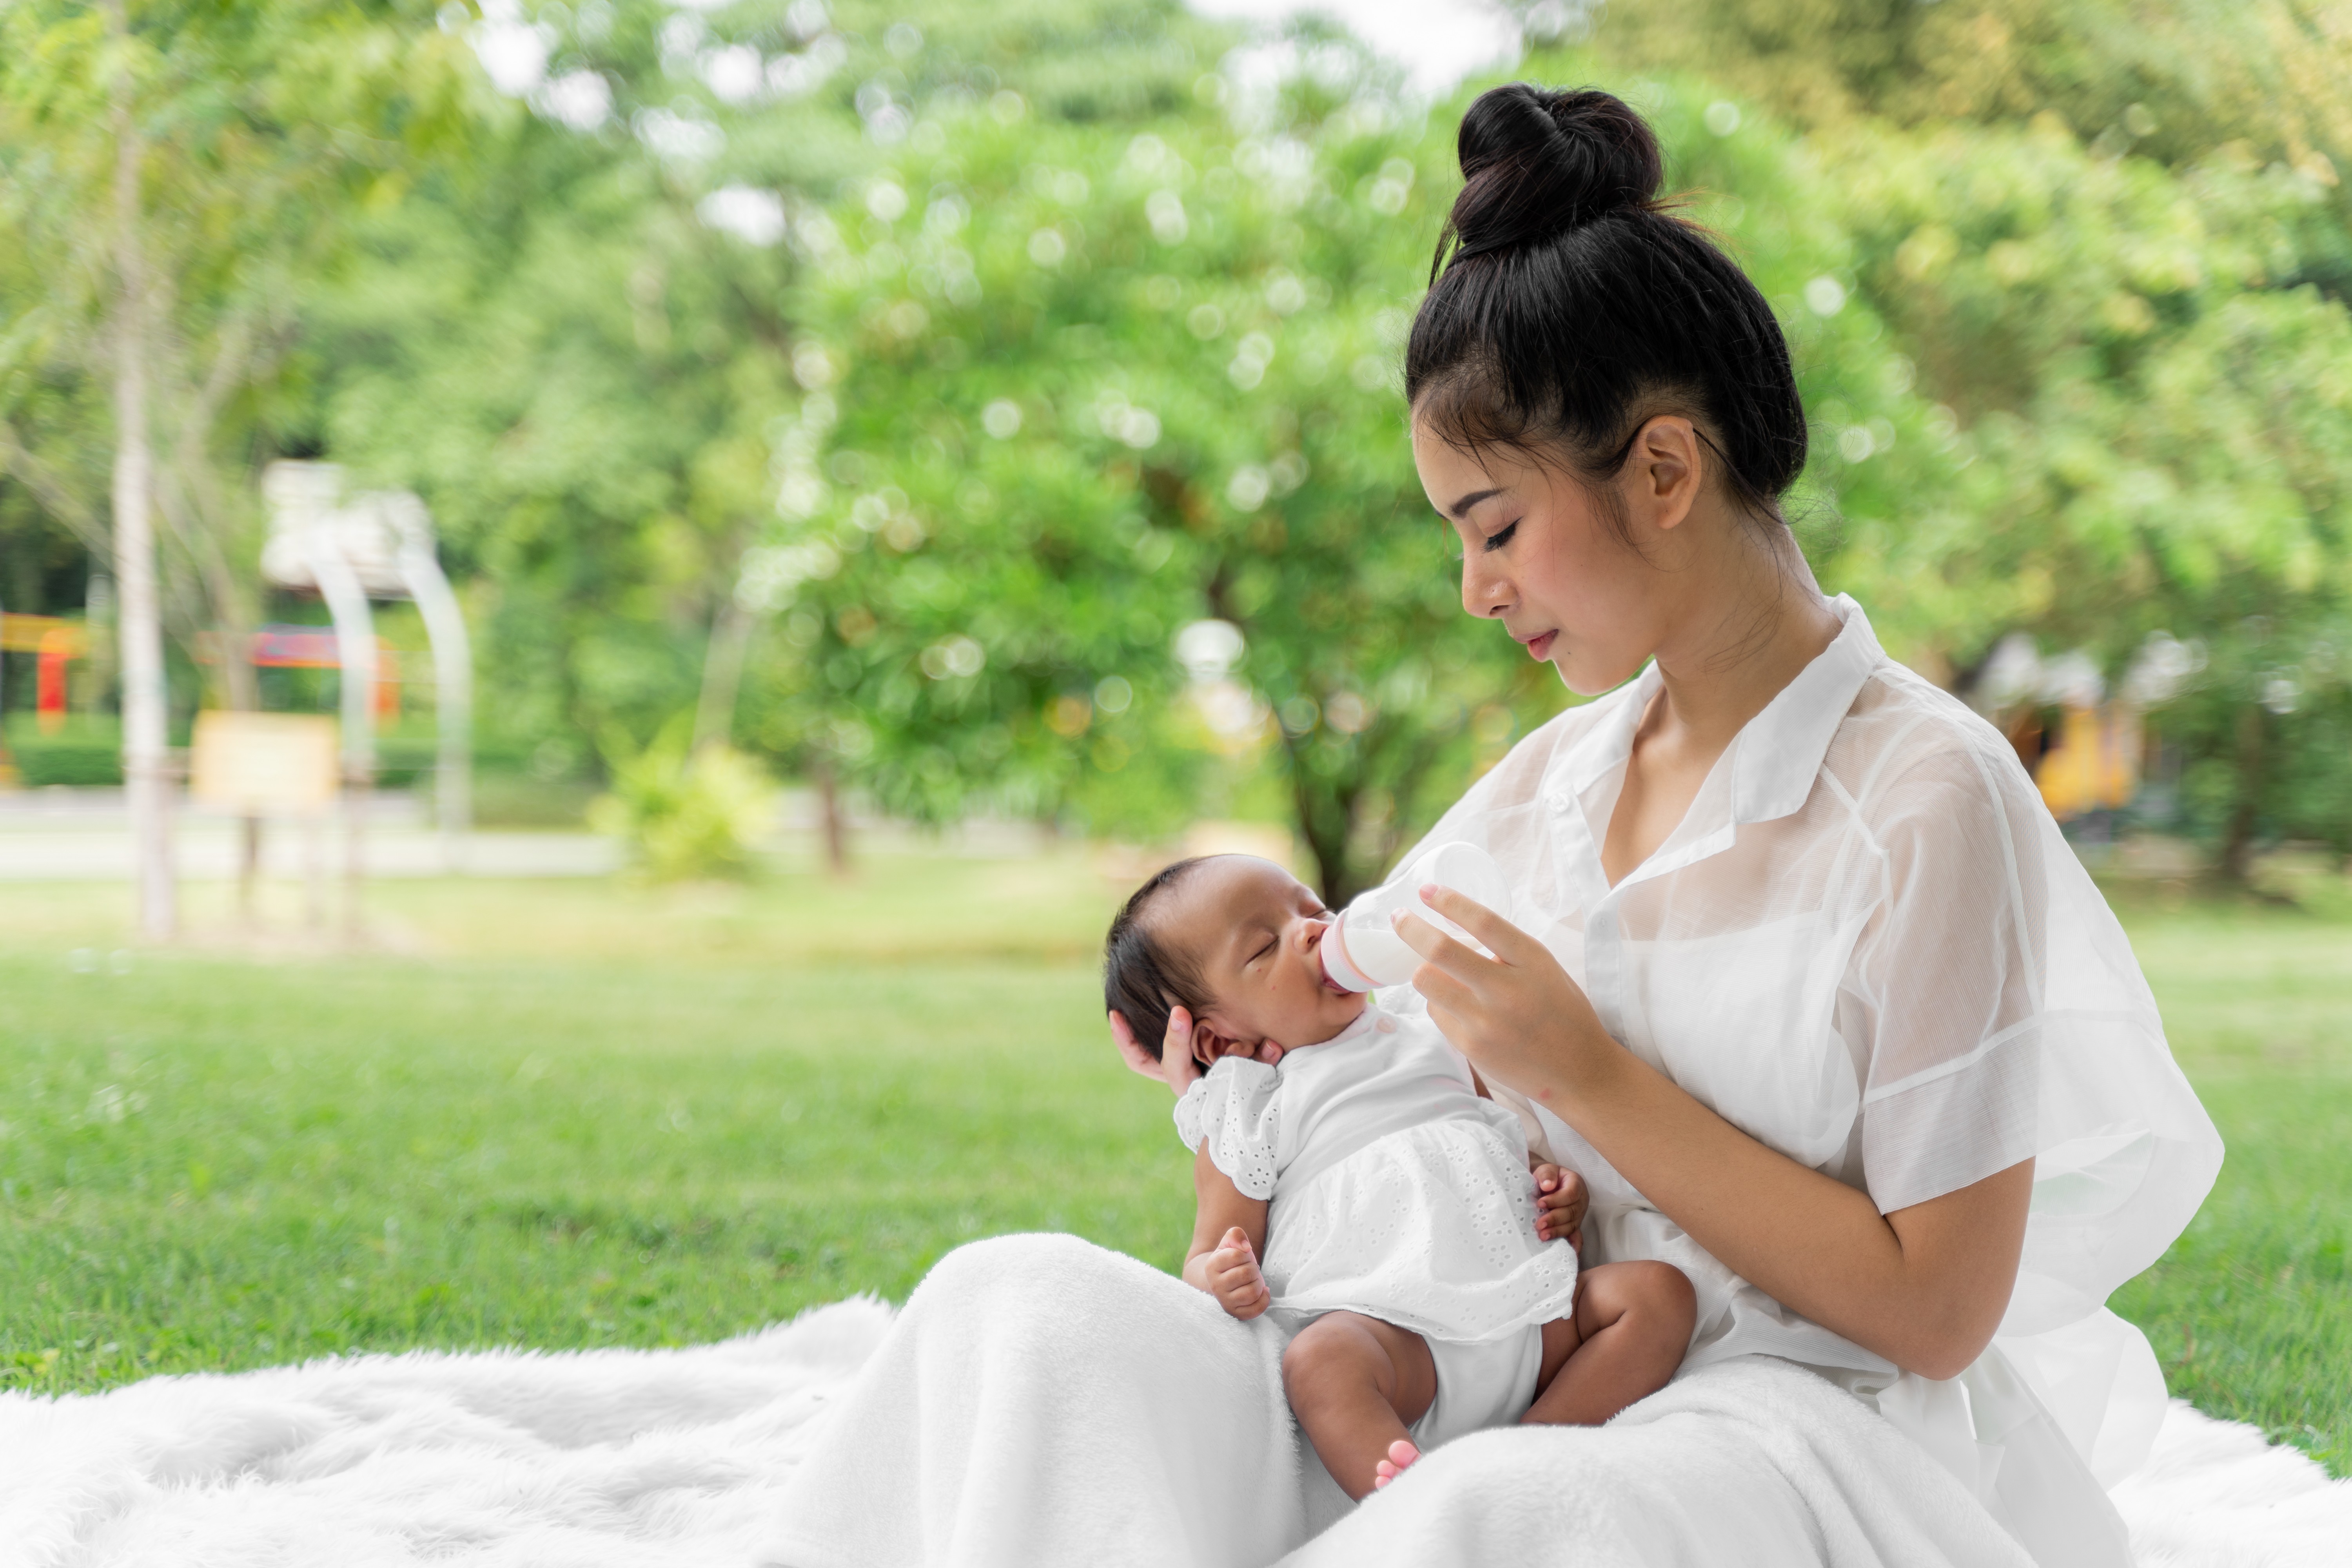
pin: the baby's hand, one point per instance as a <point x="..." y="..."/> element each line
<point x="1233" y="1276"/>
<point x="1560" y="1202"/>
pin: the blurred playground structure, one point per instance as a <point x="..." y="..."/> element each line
<point x="2089" y="749"/>
<point x="303" y="770"/>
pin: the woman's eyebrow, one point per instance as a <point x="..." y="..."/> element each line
<point x="1473" y="499"/>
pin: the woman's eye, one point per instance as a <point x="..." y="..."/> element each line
<point x="1502" y="536"/>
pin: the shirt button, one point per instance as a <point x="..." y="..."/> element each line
<point x="1386" y="1025"/>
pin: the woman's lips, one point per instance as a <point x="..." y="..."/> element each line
<point x="1539" y="648"/>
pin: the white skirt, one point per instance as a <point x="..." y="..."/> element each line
<point x="1431" y="1227"/>
<point x="1045" y="1403"/>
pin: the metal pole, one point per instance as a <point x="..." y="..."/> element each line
<point x="145" y="768"/>
<point x="314" y="871"/>
<point x="248" y="872"/>
<point x="453" y="674"/>
<point x="356" y="654"/>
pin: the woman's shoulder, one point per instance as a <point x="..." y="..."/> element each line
<point x="1908" y="746"/>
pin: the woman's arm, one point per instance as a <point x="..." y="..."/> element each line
<point x="1925" y="1287"/>
<point x="1228" y="1237"/>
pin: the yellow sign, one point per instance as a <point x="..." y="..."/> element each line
<point x="43" y="633"/>
<point x="262" y="764"/>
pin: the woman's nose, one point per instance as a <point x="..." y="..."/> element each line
<point x="1486" y="592"/>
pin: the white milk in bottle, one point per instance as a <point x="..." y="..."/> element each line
<point x="1362" y="951"/>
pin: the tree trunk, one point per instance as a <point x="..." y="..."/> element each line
<point x="722" y="675"/>
<point x="145" y="764"/>
<point x="2238" y="841"/>
<point x="232" y="627"/>
<point x="1325" y="816"/>
<point x="836" y="824"/>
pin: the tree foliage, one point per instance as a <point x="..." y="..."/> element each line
<point x="263" y="132"/>
<point x="888" y="387"/>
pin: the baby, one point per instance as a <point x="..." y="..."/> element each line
<point x="1356" y="1180"/>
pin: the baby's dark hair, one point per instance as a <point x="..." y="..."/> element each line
<point x="1144" y="978"/>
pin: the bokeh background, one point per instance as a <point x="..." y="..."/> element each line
<point x="908" y="470"/>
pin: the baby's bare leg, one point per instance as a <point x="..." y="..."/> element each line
<point x="1632" y="1324"/>
<point x="1355" y="1384"/>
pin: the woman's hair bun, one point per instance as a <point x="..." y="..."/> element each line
<point x="1568" y="306"/>
<point x="1536" y="164"/>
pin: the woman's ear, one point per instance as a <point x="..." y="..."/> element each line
<point x="1663" y="471"/>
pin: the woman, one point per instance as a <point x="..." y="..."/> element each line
<point x="1799" y="974"/>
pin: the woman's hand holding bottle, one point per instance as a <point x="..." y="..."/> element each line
<point x="1516" y="1015"/>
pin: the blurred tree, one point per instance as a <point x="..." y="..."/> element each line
<point x="2116" y="243"/>
<point x="2163" y="440"/>
<point x="2174" y="79"/>
<point x="1079" y="392"/>
<point x="579" y="343"/>
<point x="170" y="167"/>
<point x="888" y="387"/>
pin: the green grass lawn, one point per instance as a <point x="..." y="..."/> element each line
<point x="571" y="1114"/>
<point x="2251" y="1312"/>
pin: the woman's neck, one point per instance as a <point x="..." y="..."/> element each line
<point x="1748" y="625"/>
<point x="1739" y="632"/>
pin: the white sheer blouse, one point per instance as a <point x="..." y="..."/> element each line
<point x="1868" y="947"/>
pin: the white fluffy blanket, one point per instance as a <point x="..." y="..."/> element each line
<point x="653" y="1457"/>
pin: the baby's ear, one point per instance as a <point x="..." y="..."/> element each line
<point x="1212" y="1045"/>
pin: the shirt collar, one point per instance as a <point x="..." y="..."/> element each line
<point x="1776" y="755"/>
<point x="1779" y="752"/>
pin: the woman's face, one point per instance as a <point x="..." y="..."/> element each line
<point x="1538" y="555"/>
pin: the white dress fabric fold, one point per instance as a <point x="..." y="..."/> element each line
<point x="1042" y="1403"/>
<point x="1394" y="1188"/>
<point x="1868" y="946"/>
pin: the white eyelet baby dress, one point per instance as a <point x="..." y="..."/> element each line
<point x="1396" y="1191"/>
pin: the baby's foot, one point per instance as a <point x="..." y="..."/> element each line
<point x="1402" y="1455"/>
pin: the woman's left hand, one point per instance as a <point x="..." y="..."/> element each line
<point x="1516" y="1015"/>
<point x="1175" y="1064"/>
<point x="1179" y="1063"/>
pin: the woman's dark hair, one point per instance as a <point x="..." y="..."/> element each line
<point x="1144" y="978"/>
<point x="1569" y="306"/>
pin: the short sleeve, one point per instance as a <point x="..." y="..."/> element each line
<point x="1946" y="988"/>
<point x="2003" y="1018"/>
<point x="1236" y="1110"/>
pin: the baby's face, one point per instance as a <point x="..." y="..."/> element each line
<point x="1253" y="929"/>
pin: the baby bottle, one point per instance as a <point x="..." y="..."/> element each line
<point x="1361" y="950"/>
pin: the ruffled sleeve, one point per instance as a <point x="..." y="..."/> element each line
<point x="1236" y="1110"/>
